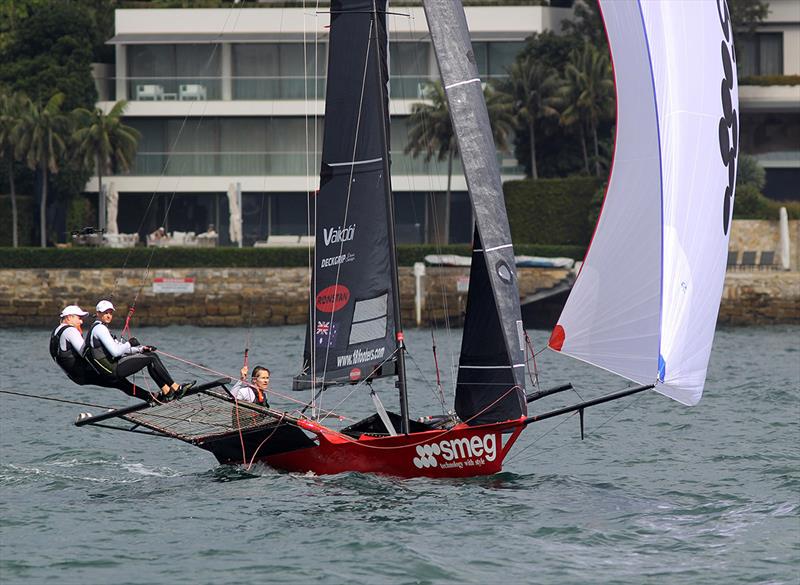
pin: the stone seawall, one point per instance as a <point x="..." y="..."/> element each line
<point x="278" y="296"/>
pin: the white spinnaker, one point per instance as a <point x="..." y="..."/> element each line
<point x="612" y="316"/>
<point x="689" y="48"/>
<point x="646" y="301"/>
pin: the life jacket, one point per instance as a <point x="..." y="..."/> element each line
<point x="69" y="360"/>
<point x="96" y="354"/>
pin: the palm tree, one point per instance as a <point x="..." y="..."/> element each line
<point x="103" y="141"/>
<point x="11" y="105"/>
<point x="431" y="131"/>
<point x="590" y="85"/>
<point x="572" y="114"/>
<point x="41" y="142"/>
<point x="533" y="87"/>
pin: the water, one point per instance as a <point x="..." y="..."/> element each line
<point x="657" y="493"/>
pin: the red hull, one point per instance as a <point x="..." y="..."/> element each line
<point x="462" y="451"/>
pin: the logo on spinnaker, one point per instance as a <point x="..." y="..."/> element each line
<point x="728" y="123"/>
<point x="333" y="298"/>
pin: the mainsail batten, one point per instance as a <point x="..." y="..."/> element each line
<point x="493" y="279"/>
<point x="645" y="303"/>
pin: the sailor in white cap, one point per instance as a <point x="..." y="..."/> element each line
<point x="67" y="347"/>
<point x="113" y="359"/>
<point x="66" y="342"/>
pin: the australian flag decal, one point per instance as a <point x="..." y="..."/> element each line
<point x="326" y="334"/>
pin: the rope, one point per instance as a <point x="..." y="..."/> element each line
<point x="172" y="152"/>
<point x="447" y="432"/>
<point x="261" y="444"/>
<point x="53" y="399"/>
<point x="223" y="374"/>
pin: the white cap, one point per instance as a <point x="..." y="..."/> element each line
<point x="104" y="306"/>
<point x="72" y="310"/>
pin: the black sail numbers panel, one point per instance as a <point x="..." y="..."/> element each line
<point x="501" y="385"/>
<point x="351" y="330"/>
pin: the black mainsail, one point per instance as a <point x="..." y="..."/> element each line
<point x="351" y="333"/>
<point x="491" y="381"/>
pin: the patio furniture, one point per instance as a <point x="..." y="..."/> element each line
<point x="748" y="260"/>
<point x="149" y="91"/>
<point x="120" y="240"/>
<point x="192" y="91"/>
<point x="767" y="260"/>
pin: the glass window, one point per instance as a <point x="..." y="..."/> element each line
<point x="174" y="72"/>
<point x="243" y="146"/>
<point x="197" y="68"/>
<point x="481" y="51"/>
<point x="408" y="68"/>
<point x="409" y="217"/>
<point x="276" y="71"/>
<point x="460" y="218"/>
<point x="760" y="54"/>
<point x="287" y="146"/>
<point x="194" y="145"/>
<point x="501" y="56"/>
<point x="289" y="214"/>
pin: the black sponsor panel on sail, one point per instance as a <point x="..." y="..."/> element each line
<point x="350" y="334"/>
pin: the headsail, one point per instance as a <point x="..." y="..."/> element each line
<point x="491" y="380"/>
<point x="351" y="332"/>
<point x="646" y="301"/>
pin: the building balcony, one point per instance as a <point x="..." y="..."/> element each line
<point x="284" y="164"/>
<point x="772" y="98"/>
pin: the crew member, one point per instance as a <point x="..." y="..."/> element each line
<point x="66" y="348"/>
<point x="113" y="359"/>
<point x="256" y="390"/>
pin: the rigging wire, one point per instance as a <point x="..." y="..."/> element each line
<point x="518" y="452"/>
<point x="50" y="398"/>
<point x="132" y="307"/>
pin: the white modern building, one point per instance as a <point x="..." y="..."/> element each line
<point x="231" y="101"/>
<point x="769" y="97"/>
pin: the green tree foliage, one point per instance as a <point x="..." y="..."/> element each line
<point x="49" y="51"/>
<point x="588" y="78"/>
<point x="749" y="172"/>
<point x="555" y="155"/>
<point x="550" y="211"/>
<point x="431" y="133"/>
<point x="587" y="23"/>
<point x="533" y="87"/>
<point x="104" y="143"/>
<point x="746" y="15"/>
<point x="11" y="107"/>
<point x="42" y="143"/>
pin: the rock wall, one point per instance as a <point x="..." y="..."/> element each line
<point x="278" y="296"/>
<point x="760" y="297"/>
<point x="221" y="297"/>
<point x="760" y="235"/>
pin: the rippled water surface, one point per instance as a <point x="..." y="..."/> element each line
<point x="657" y="493"/>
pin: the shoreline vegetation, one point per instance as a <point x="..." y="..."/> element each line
<point x="277" y="257"/>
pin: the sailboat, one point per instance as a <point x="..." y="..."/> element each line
<point x="644" y="305"/>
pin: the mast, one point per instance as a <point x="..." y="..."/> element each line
<point x="491" y="380"/>
<point x="398" y="327"/>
